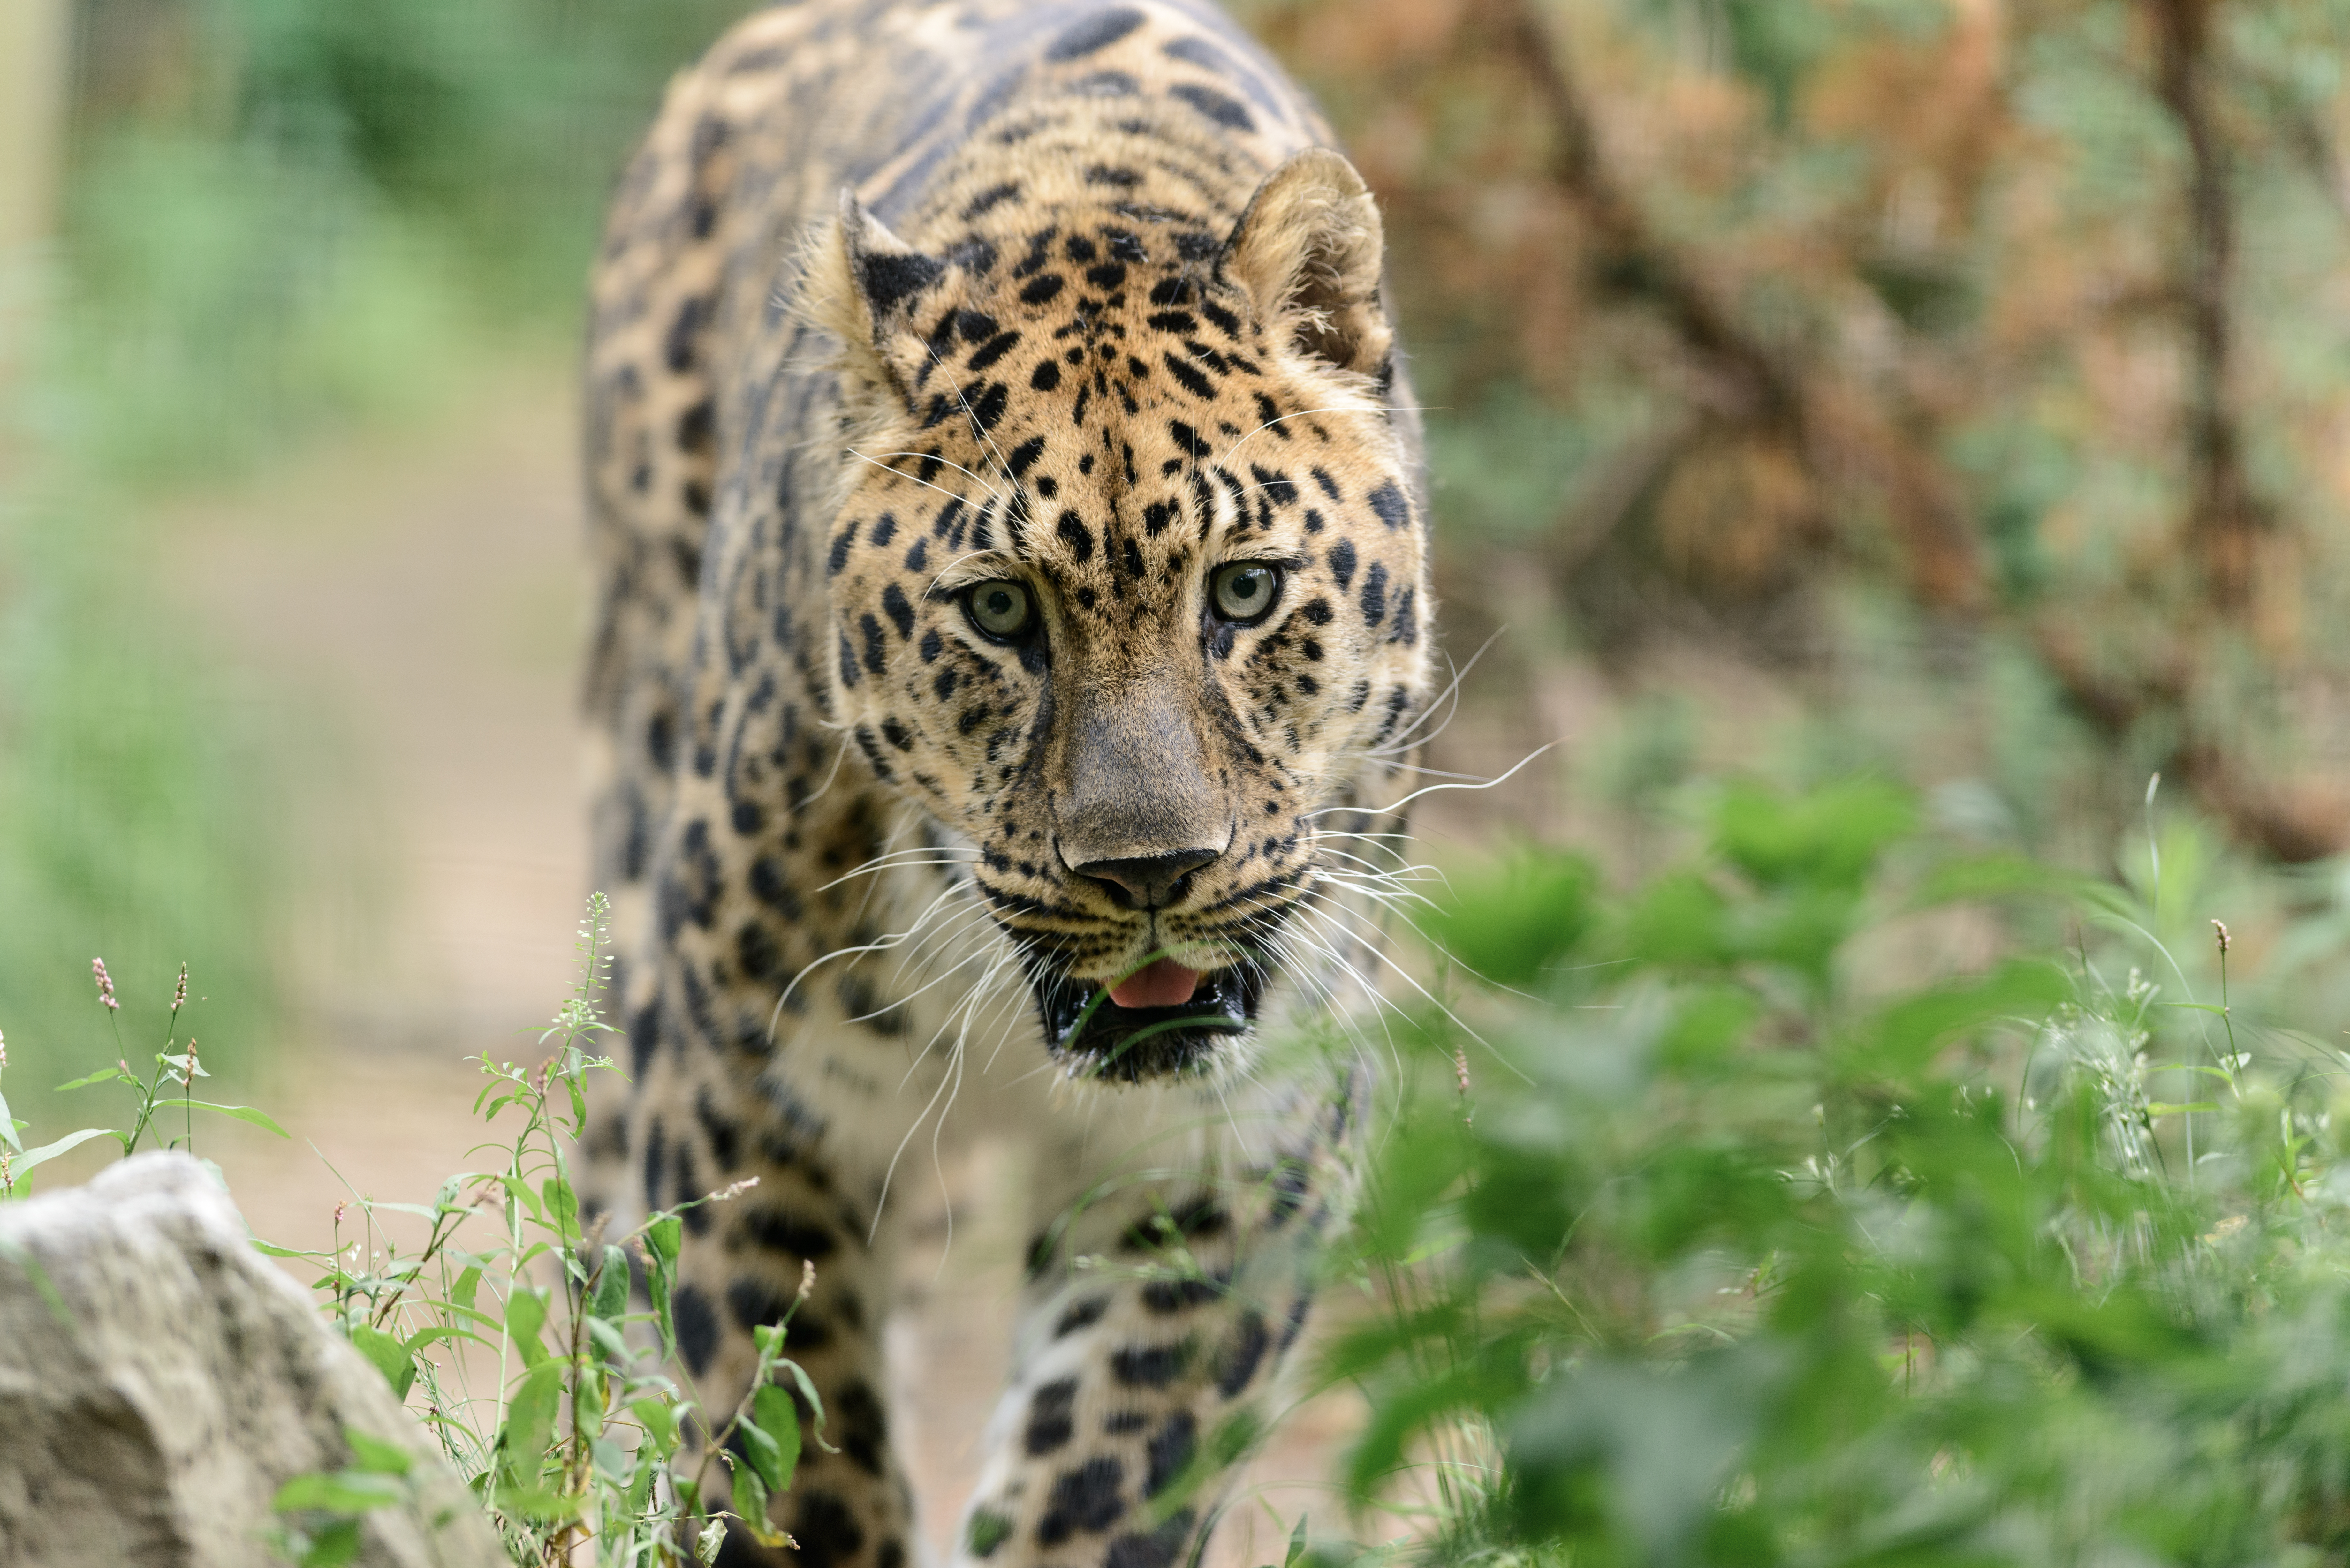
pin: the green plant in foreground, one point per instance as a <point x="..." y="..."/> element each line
<point x="1756" y="1259"/>
<point x="178" y="1069"/>
<point x="580" y="1446"/>
<point x="581" y="1452"/>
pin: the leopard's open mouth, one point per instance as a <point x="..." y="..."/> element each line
<point x="1100" y="1039"/>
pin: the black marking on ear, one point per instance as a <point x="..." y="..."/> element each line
<point x="1095" y="32"/>
<point x="890" y="279"/>
<point x="1104" y="84"/>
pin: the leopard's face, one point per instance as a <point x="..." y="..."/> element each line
<point x="1128" y="591"/>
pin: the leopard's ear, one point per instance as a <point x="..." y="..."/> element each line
<point x="1308" y="250"/>
<point x="862" y="284"/>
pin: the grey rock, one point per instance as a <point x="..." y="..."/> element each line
<point x="154" y="1399"/>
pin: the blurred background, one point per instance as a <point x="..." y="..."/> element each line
<point x="1953" y="390"/>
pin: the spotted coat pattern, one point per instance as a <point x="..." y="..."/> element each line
<point x="899" y="301"/>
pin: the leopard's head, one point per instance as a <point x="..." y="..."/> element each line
<point x="1129" y="590"/>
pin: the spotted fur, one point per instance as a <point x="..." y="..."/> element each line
<point x="899" y="299"/>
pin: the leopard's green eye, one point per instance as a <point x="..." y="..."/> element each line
<point x="1002" y="608"/>
<point x="1244" y="590"/>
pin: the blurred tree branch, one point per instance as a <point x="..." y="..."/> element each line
<point x="1841" y="430"/>
<point x="2225" y="519"/>
<point x="1838" y="431"/>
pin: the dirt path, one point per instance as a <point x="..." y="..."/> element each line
<point x="414" y="604"/>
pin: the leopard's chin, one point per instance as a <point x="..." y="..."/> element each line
<point x="1096" y="1039"/>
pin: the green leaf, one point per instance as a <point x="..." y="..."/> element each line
<point x="780" y="1418"/>
<point x="657" y="1420"/>
<point x="525" y="1315"/>
<point x="765" y="1454"/>
<point x="530" y="1423"/>
<point x="556" y="1193"/>
<point x="1829" y="837"/>
<point x="751" y="1504"/>
<point x="469" y="1281"/>
<point x="238" y="1113"/>
<point x="390" y="1357"/>
<point x="2155" y="1108"/>
<point x="608" y="1339"/>
<point x="8" y="1127"/>
<point x="339" y="1492"/>
<point x="49" y="1151"/>
<point x="378" y="1456"/>
<point x="331" y="1545"/>
<point x="814" y="1401"/>
<point x="1509" y="926"/>
<point x="103" y="1075"/>
<point x="611" y="1300"/>
<point x="663" y="1235"/>
<point x="270" y="1249"/>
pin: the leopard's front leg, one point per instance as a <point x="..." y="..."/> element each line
<point x="1155" y="1328"/>
<point x="741" y="1265"/>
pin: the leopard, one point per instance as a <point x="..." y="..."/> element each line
<point x="1012" y="631"/>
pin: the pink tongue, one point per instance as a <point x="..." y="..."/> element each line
<point x="1162" y="983"/>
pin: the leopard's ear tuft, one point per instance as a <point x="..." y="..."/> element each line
<point x="862" y="283"/>
<point x="1308" y="250"/>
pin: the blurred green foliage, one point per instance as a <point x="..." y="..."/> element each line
<point x="280" y="218"/>
<point x="1746" y="1249"/>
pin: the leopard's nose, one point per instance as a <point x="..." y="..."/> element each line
<point x="1148" y="881"/>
